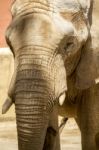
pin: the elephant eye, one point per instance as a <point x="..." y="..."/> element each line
<point x="68" y="46"/>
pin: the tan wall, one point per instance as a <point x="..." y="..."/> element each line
<point x="6" y="70"/>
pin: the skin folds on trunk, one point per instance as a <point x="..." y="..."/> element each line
<point x="31" y="101"/>
<point x="31" y="119"/>
<point x="34" y="97"/>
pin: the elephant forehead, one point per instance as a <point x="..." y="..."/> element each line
<point x="35" y="29"/>
<point x="49" y="5"/>
<point x="71" y="5"/>
<point x="61" y="4"/>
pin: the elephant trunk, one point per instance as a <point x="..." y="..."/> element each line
<point x="31" y="112"/>
<point x="34" y="97"/>
<point x="32" y="122"/>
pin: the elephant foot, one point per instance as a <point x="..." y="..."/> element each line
<point x="7" y="104"/>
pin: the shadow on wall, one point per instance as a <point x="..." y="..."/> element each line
<point x="6" y="70"/>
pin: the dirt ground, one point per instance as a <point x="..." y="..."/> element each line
<point x="70" y="137"/>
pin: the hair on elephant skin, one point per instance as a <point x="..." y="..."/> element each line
<point x="56" y="71"/>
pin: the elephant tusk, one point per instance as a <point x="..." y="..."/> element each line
<point x="62" y="99"/>
<point x="7" y="104"/>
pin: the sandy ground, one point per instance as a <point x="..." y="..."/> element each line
<point x="70" y="137"/>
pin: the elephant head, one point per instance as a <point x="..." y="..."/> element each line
<point x="50" y="40"/>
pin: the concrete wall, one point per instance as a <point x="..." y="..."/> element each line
<point x="6" y="70"/>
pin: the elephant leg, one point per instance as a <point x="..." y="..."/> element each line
<point x="88" y="119"/>
<point x="52" y="141"/>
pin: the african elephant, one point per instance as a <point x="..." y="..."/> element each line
<point x="54" y="73"/>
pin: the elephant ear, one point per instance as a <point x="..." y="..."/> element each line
<point x="87" y="8"/>
<point x="86" y="69"/>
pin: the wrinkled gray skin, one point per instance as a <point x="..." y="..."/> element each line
<point x="52" y="46"/>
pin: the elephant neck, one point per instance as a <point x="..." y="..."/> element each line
<point x="22" y="7"/>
